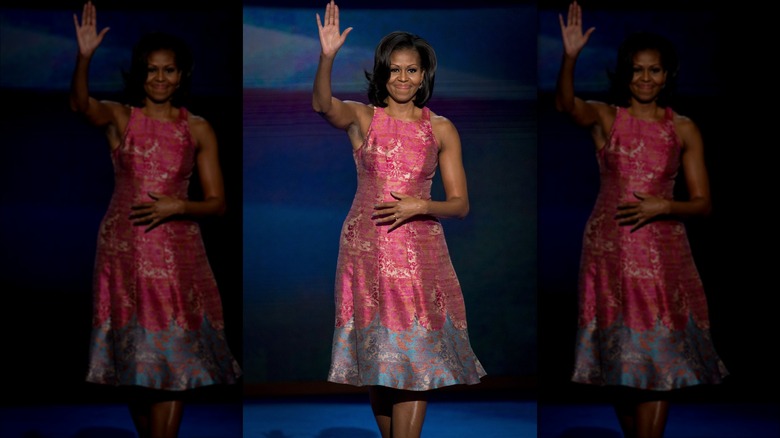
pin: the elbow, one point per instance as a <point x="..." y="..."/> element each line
<point x="464" y="211"/>
<point x="318" y="107"/>
<point x="77" y="107"/>
<point x="562" y="106"/>
<point x="707" y="208"/>
<point x="221" y="208"/>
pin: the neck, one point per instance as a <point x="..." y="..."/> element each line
<point x="644" y="110"/>
<point x="160" y="110"/>
<point x="402" y="111"/>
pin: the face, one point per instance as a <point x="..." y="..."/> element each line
<point x="162" y="76"/>
<point x="649" y="76"/>
<point x="406" y="75"/>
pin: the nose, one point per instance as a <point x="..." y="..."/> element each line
<point x="403" y="76"/>
<point x="160" y="75"/>
<point x="645" y="75"/>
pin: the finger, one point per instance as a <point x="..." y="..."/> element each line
<point x="639" y="225"/>
<point x="640" y="195"/>
<point x="141" y="216"/>
<point x="590" y="31"/>
<point x="153" y="225"/>
<point x="626" y="213"/>
<point x="384" y="205"/>
<point x="572" y="14"/>
<point x="319" y="23"/>
<point x="90" y="18"/>
<point x="627" y="205"/>
<point x="577" y="14"/>
<point x="396" y="223"/>
<point x="102" y="33"/>
<point x="143" y="205"/>
<point x="346" y="32"/>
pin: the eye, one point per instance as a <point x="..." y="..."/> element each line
<point x="151" y="69"/>
<point x="657" y="70"/>
<point x="412" y="70"/>
<point x="170" y="70"/>
<point x="394" y="69"/>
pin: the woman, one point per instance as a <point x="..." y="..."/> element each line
<point x="400" y="317"/>
<point x="157" y="324"/>
<point x="643" y="315"/>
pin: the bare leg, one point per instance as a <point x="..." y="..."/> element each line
<point x="626" y="413"/>
<point x="651" y="419"/>
<point x="398" y="413"/>
<point x="140" y="412"/>
<point x="408" y="417"/>
<point x="166" y="418"/>
<point x="382" y="406"/>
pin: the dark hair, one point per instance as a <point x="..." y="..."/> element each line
<point x="136" y="77"/>
<point x="377" y="80"/>
<point x="624" y="70"/>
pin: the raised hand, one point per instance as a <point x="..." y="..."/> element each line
<point x="86" y="33"/>
<point x="571" y="31"/>
<point x="331" y="38"/>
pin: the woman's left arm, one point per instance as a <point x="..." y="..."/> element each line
<point x="163" y="207"/>
<point x="453" y="177"/>
<point x="696" y="179"/>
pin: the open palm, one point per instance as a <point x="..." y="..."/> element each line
<point x="331" y="37"/>
<point x="571" y="31"/>
<point x="86" y="32"/>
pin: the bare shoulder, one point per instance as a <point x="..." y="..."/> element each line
<point x="443" y="129"/>
<point x="684" y="123"/>
<point x="201" y="130"/>
<point x="441" y="123"/>
<point x="686" y="130"/>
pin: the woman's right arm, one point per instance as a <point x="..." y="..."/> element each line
<point x="340" y="114"/>
<point x="98" y="113"/>
<point x="583" y="113"/>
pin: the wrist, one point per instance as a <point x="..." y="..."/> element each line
<point x="667" y="210"/>
<point x="182" y="207"/>
<point x="425" y="207"/>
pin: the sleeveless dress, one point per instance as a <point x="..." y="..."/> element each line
<point x="157" y="318"/>
<point x="400" y="316"/>
<point x="643" y="319"/>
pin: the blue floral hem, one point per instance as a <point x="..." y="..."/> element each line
<point x="656" y="359"/>
<point x="416" y="359"/>
<point x="173" y="359"/>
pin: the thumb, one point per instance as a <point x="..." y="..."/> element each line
<point x="641" y="196"/>
<point x="397" y="195"/>
<point x="155" y="196"/>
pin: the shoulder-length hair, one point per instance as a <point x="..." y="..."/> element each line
<point x="139" y="65"/>
<point x="624" y="70"/>
<point x="377" y="80"/>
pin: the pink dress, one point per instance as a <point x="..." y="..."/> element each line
<point x="400" y="317"/>
<point x="643" y="317"/>
<point x="157" y="312"/>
